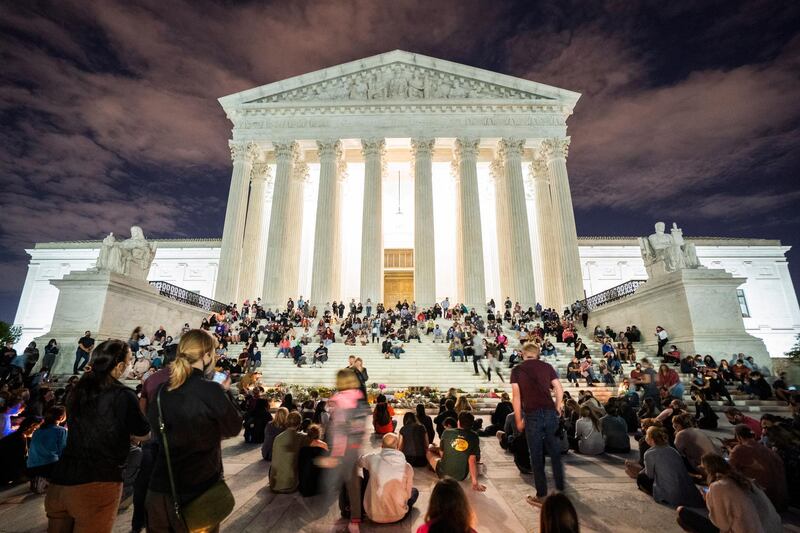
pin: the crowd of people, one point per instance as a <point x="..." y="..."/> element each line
<point x="144" y="443"/>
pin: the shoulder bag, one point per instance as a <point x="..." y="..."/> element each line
<point x="206" y="510"/>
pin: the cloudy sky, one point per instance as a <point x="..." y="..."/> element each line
<point x="690" y="110"/>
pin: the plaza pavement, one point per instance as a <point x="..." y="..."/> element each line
<point x="606" y="499"/>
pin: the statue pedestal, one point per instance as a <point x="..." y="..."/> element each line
<point x="699" y="309"/>
<point x="110" y="305"/>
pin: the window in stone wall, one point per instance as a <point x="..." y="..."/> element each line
<point x="743" y="303"/>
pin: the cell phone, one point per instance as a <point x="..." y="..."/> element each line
<point x="219" y="377"/>
<point x="704" y="489"/>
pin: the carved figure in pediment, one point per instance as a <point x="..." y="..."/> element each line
<point x="358" y="90"/>
<point x="398" y="85"/>
<point x="376" y="87"/>
<point x="458" y="91"/>
<point x="443" y="90"/>
<point x="416" y="86"/>
<point x="428" y="86"/>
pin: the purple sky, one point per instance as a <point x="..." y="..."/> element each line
<point x="690" y="110"/>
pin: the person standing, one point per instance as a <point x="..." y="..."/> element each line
<point x="538" y="414"/>
<point x="103" y="417"/>
<point x="198" y="415"/>
<point x="50" y="354"/>
<point x="85" y="345"/>
<point x="663" y="338"/>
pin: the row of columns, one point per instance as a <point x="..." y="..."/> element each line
<point x="242" y="236"/>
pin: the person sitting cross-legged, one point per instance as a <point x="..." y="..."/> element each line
<point x="389" y="494"/>
<point x="457" y="457"/>
<point x="664" y="475"/>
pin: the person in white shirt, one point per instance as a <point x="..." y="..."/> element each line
<point x="663" y="338"/>
<point x="390" y="495"/>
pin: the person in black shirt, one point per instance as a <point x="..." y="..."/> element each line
<point x="103" y="417"/>
<point x="198" y="415"/>
<point x="85" y="345"/>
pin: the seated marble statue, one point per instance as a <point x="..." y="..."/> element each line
<point x="131" y="257"/>
<point x="664" y="252"/>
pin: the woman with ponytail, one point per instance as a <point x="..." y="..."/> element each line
<point x="198" y="415"/>
<point x="103" y="417"/>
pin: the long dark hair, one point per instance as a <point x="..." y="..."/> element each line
<point x="318" y="410"/>
<point x="448" y="509"/>
<point x="421" y="412"/>
<point x="97" y="378"/>
<point x="381" y="413"/>
<point x="558" y="515"/>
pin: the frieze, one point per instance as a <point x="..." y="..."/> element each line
<point x="259" y="123"/>
<point x="398" y="81"/>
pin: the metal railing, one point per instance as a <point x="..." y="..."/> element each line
<point x="179" y="294"/>
<point x="613" y="294"/>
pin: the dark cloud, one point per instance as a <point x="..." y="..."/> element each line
<point x="110" y="117"/>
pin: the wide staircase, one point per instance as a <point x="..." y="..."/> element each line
<point x="428" y="364"/>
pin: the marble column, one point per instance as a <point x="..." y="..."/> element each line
<point x="274" y="268"/>
<point x="253" y="247"/>
<point x="243" y="156"/>
<point x="371" y="225"/>
<point x="520" y="244"/>
<point x="497" y="172"/>
<point x="323" y="269"/>
<point x="470" y="224"/>
<point x="294" y="229"/>
<point x="554" y="152"/>
<point x="459" y="237"/>
<point x="548" y="250"/>
<point x="424" y="251"/>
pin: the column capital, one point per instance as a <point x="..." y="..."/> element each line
<point x="556" y="148"/>
<point x="508" y="147"/>
<point x="422" y="147"/>
<point x="244" y="151"/>
<point x="373" y="147"/>
<point x="260" y="172"/>
<point x="341" y="169"/>
<point x="538" y="168"/>
<point x="300" y="170"/>
<point x="329" y="148"/>
<point x="285" y="150"/>
<point x="454" y="170"/>
<point x="497" y="169"/>
<point x="466" y="147"/>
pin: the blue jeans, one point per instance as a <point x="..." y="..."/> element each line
<point x="541" y="426"/>
<point x="81" y="358"/>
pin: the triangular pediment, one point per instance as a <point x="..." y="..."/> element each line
<point x="398" y="77"/>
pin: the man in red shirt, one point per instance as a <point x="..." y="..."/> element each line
<point x="735" y="417"/>
<point x="534" y="383"/>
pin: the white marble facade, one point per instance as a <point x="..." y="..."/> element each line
<point x="774" y="315"/>
<point x="333" y="136"/>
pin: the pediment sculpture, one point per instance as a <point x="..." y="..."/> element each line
<point x="131" y="257"/>
<point x="663" y="253"/>
<point x="398" y="81"/>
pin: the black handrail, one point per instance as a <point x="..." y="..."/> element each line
<point x="613" y="294"/>
<point x="179" y="294"/>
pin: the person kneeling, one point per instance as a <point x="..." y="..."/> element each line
<point x="390" y="495"/>
<point x="458" y="455"/>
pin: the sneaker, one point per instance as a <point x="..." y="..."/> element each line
<point x="536" y="501"/>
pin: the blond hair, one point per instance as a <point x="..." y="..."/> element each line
<point x="531" y="348"/>
<point x="194" y="345"/>
<point x="280" y="417"/>
<point x="462" y="404"/>
<point x="346" y="379"/>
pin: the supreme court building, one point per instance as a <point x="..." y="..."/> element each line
<point x="473" y="161"/>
